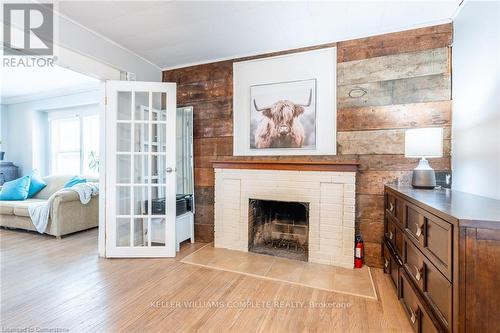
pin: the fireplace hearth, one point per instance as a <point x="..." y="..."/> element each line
<point x="278" y="228"/>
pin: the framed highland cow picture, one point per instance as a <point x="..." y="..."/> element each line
<point x="285" y="105"/>
<point x="283" y="115"/>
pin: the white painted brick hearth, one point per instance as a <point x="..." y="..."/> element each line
<point x="331" y="198"/>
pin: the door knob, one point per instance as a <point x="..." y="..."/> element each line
<point x="169" y="170"/>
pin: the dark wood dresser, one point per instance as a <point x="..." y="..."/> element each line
<point x="442" y="251"/>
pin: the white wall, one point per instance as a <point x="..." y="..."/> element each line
<point x="3" y="124"/>
<point x="476" y="99"/>
<point x="25" y="129"/>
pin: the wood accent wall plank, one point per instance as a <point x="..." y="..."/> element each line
<point x="285" y="52"/>
<point x="396" y="163"/>
<point x="432" y="114"/>
<point x="221" y="70"/>
<point x="381" y="142"/>
<point x="204" y="91"/>
<point x="372" y="182"/>
<point x="213" y="128"/>
<point x="205" y="232"/>
<point x="373" y="254"/>
<point x="204" y="195"/>
<point x="213" y="146"/>
<point x="393" y="67"/>
<point x="205" y="213"/>
<point x="402" y="91"/>
<point x="370" y="206"/>
<point x="204" y="176"/>
<point x="372" y="230"/>
<point x="397" y="42"/>
<point x="213" y="109"/>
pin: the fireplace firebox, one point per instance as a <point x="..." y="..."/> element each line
<point x="278" y="228"/>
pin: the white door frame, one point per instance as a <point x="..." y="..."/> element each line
<point x="109" y="168"/>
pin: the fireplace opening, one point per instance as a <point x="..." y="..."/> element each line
<point x="278" y="228"/>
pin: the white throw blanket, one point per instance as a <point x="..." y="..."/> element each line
<point x="40" y="213"/>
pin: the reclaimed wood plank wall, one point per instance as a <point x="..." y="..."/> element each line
<point x="385" y="84"/>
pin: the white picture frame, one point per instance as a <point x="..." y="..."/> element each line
<point x="318" y="65"/>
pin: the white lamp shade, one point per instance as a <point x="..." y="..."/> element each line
<point x="424" y="142"/>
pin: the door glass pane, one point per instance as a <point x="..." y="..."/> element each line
<point x="123" y="143"/>
<point x="141" y="175"/>
<point x="158" y="195"/>
<point x="141" y="231"/>
<point x="159" y="137"/>
<point x="123" y="200"/>
<point x="140" y="200"/>
<point x="157" y="232"/>
<point x="141" y="138"/>
<point x="122" y="232"/>
<point x="124" y="105"/>
<point x="141" y="105"/>
<point x="123" y="168"/>
<point x="159" y="106"/>
<point x="158" y="168"/>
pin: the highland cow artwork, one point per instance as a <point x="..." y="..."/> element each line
<point x="283" y="115"/>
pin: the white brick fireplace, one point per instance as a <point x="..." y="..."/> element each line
<point x="330" y="195"/>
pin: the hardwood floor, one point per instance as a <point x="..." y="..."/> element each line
<point x="49" y="283"/>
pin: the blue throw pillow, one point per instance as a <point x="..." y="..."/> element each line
<point x="16" y="189"/>
<point x="37" y="184"/>
<point x="74" y="180"/>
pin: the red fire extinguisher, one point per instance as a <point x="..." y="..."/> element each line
<point x="359" y="252"/>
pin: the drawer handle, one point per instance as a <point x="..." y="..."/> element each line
<point x="389" y="235"/>
<point x="419" y="231"/>
<point x="413" y="316"/>
<point x="418" y="275"/>
<point x="391" y="206"/>
<point x="386" y="264"/>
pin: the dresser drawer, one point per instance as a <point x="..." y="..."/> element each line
<point x="420" y="319"/>
<point x="433" y="235"/>
<point x="434" y="286"/>
<point x="391" y="265"/>
<point x="395" y="208"/>
<point x="394" y="235"/>
<point x="390" y="231"/>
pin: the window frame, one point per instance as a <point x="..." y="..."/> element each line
<point x="58" y="116"/>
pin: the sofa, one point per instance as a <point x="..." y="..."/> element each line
<point x="67" y="214"/>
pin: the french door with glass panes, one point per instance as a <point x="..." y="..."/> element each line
<point x="140" y="169"/>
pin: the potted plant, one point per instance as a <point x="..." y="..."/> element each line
<point x="2" y="153"/>
<point x="94" y="161"/>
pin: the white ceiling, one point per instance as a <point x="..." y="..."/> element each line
<point x="20" y="84"/>
<point x="173" y="34"/>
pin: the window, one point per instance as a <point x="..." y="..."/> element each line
<point x="74" y="144"/>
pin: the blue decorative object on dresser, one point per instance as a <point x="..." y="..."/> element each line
<point x="8" y="172"/>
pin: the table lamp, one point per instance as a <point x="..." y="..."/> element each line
<point x="424" y="143"/>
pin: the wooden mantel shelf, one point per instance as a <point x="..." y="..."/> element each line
<point x="345" y="166"/>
